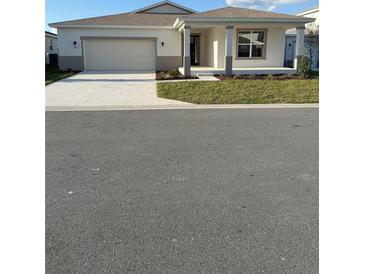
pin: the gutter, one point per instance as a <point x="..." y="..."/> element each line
<point x="183" y="20"/>
<point x="237" y="20"/>
<point x="51" y="35"/>
<point x="56" y="25"/>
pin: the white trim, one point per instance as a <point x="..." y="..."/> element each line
<point x="109" y="26"/>
<point x="176" y="22"/>
<point x="181" y="28"/>
<point x="250" y="44"/>
<point x="308" y="12"/>
<point x="163" y="3"/>
<point x="211" y="20"/>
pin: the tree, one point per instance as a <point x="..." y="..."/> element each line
<point x="311" y="41"/>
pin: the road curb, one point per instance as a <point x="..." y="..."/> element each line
<point x="178" y="107"/>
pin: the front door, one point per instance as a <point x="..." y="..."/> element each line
<point x="289" y="51"/>
<point x="194" y="50"/>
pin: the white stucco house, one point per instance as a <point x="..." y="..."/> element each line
<point x="51" y="46"/>
<point x="167" y="36"/>
<point x="290" y="39"/>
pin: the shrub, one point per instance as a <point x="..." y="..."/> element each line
<point x="171" y="74"/>
<point x="270" y="77"/>
<point x="174" y="73"/>
<point x="304" y="68"/>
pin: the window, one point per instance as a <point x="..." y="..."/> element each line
<point x="51" y="45"/>
<point x="251" y="44"/>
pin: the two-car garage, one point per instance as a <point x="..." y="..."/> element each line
<point x="115" y="53"/>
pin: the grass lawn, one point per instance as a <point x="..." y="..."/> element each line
<point x="53" y="74"/>
<point x="242" y="91"/>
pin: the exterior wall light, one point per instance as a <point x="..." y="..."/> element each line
<point x="75" y="44"/>
<point x="163" y="44"/>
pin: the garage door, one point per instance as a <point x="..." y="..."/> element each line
<point x="119" y="54"/>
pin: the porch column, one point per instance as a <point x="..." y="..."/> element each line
<point x="299" y="49"/>
<point x="228" y="53"/>
<point x="187" y="51"/>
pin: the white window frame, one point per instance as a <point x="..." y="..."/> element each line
<point x="250" y="44"/>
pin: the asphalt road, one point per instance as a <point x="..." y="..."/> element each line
<point x="182" y="191"/>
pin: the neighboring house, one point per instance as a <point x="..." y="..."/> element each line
<point x="167" y="36"/>
<point x="290" y="40"/>
<point x="51" y="48"/>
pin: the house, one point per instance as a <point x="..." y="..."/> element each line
<point x="51" y="48"/>
<point x="290" y="40"/>
<point x="166" y="36"/>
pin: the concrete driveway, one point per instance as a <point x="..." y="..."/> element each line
<point x="105" y="89"/>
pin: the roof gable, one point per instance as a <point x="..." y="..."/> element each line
<point x="165" y="7"/>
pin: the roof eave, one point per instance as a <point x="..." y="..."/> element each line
<point x="56" y="25"/>
<point x="232" y="20"/>
<point x="50" y="33"/>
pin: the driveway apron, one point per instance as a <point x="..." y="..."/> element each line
<point x="106" y="88"/>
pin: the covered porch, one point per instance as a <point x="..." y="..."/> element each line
<point x="236" y="47"/>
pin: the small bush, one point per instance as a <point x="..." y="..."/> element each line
<point x="270" y="77"/>
<point x="176" y="73"/>
<point x="304" y="68"/>
<point x="171" y="75"/>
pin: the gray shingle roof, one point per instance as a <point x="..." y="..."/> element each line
<point x="126" y="19"/>
<point x="148" y="19"/>
<point x="233" y="12"/>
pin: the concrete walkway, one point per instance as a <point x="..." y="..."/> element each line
<point x="105" y="89"/>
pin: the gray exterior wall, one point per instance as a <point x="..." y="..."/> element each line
<point x="168" y="62"/>
<point x="75" y="63"/>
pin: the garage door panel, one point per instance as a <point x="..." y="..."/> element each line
<point x="119" y="54"/>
